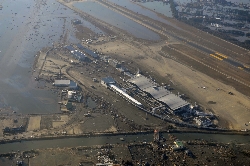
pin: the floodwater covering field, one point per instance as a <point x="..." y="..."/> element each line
<point x="26" y="27"/>
<point x="159" y="7"/>
<point x="145" y="10"/>
<point x="116" y="19"/>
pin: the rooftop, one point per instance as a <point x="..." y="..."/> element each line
<point x="159" y="93"/>
<point x="62" y="82"/>
<point x="87" y="51"/>
<point x="125" y="95"/>
<point x="70" y="48"/>
<point x="108" y="80"/>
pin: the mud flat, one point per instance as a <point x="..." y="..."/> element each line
<point x="34" y="123"/>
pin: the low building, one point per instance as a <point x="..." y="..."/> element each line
<point x="122" y="69"/>
<point x="114" y="63"/>
<point x="14" y="130"/>
<point x="76" y="53"/>
<point x="70" y="94"/>
<point x="78" y="98"/>
<point x="79" y="55"/>
<point x="105" y="58"/>
<point x="107" y="80"/>
<point x="65" y="83"/>
<point x="88" y="51"/>
<point x="69" y="48"/>
<point x="203" y="121"/>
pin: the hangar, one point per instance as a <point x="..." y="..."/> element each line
<point x="65" y="83"/>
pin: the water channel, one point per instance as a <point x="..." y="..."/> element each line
<point x="103" y="140"/>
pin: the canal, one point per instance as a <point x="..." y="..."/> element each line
<point x="103" y="140"/>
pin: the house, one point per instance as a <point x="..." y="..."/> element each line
<point x="107" y="80"/>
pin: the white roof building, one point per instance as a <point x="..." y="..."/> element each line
<point x="67" y="83"/>
<point x="125" y="95"/>
<point x="160" y="93"/>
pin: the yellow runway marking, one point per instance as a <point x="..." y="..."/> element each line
<point x="221" y="55"/>
<point x="246" y="66"/>
<point x="216" y="57"/>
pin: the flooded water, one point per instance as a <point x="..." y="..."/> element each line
<point x="239" y="1"/>
<point x="91" y="103"/>
<point x="116" y="19"/>
<point x="102" y="140"/>
<point x="26" y="27"/>
<point x="159" y="6"/>
<point x="183" y="1"/>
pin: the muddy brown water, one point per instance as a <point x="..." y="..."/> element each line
<point x="26" y="27"/>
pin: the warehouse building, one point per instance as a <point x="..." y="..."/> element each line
<point x="76" y="53"/>
<point x="65" y="83"/>
<point x="87" y="51"/>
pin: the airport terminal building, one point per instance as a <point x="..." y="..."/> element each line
<point x="160" y="93"/>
